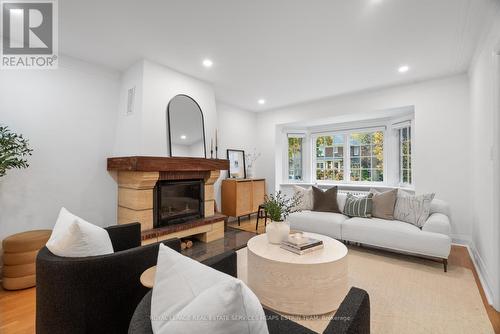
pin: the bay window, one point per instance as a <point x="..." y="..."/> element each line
<point x="377" y="152"/>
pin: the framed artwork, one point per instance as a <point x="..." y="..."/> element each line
<point x="237" y="168"/>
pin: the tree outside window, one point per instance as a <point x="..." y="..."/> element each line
<point x="295" y="158"/>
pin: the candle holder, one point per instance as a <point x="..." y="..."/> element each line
<point x="211" y="154"/>
<point x="216" y="152"/>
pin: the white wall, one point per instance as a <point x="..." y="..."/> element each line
<point x="128" y="139"/>
<point x="145" y="131"/>
<point x="69" y="117"/>
<point x="441" y="159"/>
<point x="485" y="96"/>
<point x="237" y="130"/>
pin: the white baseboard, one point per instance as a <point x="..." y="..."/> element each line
<point x="479" y="265"/>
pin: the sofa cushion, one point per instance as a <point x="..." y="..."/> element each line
<point x="325" y="201"/>
<point x="396" y="235"/>
<point x="358" y="206"/>
<point x="180" y="299"/>
<point x="326" y="223"/>
<point x="413" y="209"/>
<point x="384" y="203"/>
<point x="341" y="199"/>
<point x="306" y="197"/>
<point x="74" y="237"/>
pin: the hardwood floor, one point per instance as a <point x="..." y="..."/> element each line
<point x="17" y="308"/>
<point x="17" y="311"/>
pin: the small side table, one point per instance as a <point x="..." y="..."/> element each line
<point x="261" y="213"/>
<point x="148" y="277"/>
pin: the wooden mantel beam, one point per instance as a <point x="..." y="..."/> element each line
<point x="166" y="164"/>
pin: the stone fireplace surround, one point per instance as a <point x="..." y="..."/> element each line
<point x="137" y="177"/>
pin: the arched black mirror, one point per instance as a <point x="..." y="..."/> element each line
<point x="186" y="128"/>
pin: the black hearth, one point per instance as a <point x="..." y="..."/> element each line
<point x="177" y="201"/>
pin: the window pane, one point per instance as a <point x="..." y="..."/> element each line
<point x="338" y="152"/>
<point x="377" y="175"/>
<point x="295" y="158"/>
<point x="330" y="158"/>
<point x="366" y="150"/>
<point x="355" y="150"/>
<point x="405" y="155"/>
<point x="367" y="154"/>
<point x="338" y="140"/>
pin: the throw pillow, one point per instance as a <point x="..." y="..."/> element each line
<point x="384" y="203"/>
<point x="325" y="201"/>
<point x="358" y="206"/>
<point x="189" y="295"/>
<point x="74" y="237"/>
<point x="413" y="209"/>
<point x="306" y="198"/>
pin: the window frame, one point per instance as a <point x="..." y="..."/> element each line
<point x="302" y="149"/>
<point x="304" y="156"/>
<point x="399" y="131"/>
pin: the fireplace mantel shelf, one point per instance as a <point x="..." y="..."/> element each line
<point x="166" y="164"/>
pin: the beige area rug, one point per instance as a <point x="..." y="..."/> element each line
<point x="410" y="295"/>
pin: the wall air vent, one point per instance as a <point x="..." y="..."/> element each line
<point x="131" y="101"/>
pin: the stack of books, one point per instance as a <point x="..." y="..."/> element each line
<point x="300" y="244"/>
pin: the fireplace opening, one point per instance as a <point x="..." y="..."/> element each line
<point x="177" y="201"/>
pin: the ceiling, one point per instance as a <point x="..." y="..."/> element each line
<point x="284" y="51"/>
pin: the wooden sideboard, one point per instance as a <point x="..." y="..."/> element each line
<point x="242" y="197"/>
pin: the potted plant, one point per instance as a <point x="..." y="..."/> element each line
<point x="13" y="150"/>
<point x="278" y="207"/>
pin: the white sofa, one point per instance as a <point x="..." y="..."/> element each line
<point x="433" y="240"/>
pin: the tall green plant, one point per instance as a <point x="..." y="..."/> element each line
<point x="14" y="150"/>
<point x="278" y="207"/>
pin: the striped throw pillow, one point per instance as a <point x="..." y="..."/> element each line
<point x="358" y="206"/>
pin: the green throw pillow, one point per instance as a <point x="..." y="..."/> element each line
<point x="358" y="206"/>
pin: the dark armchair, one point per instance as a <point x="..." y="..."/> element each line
<point x="95" y="294"/>
<point x="352" y="317"/>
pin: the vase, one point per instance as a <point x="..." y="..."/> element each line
<point x="277" y="232"/>
<point x="250" y="173"/>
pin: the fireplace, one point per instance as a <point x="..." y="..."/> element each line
<point x="177" y="201"/>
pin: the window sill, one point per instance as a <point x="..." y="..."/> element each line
<point x="352" y="186"/>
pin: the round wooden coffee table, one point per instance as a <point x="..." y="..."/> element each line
<point x="309" y="284"/>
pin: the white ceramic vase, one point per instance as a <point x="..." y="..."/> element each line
<point x="277" y="232"/>
<point x="250" y="173"/>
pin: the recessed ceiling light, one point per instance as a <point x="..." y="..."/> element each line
<point x="403" y="68"/>
<point x="183" y="137"/>
<point x="207" y="63"/>
<point x="261" y="101"/>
